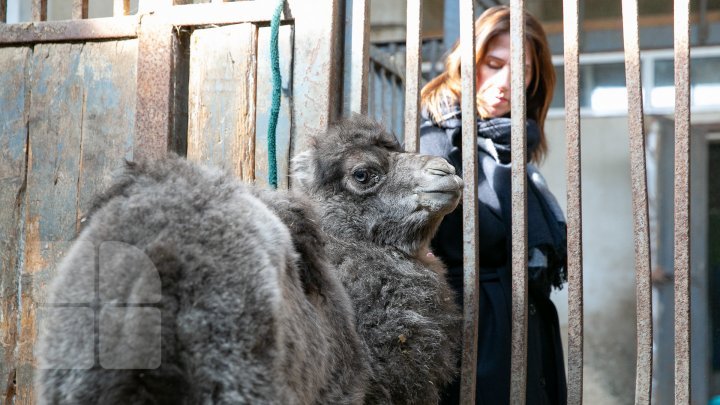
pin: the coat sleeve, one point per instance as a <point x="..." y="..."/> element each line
<point x="434" y="141"/>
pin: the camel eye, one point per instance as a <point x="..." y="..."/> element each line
<point x="361" y="176"/>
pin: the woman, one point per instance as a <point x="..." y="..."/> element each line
<point x="440" y="134"/>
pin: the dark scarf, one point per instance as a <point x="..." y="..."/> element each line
<point x="546" y="224"/>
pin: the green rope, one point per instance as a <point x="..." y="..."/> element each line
<point x="277" y="83"/>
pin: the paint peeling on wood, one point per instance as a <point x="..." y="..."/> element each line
<point x="221" y="110"/>
<point x="80" y="119"/>
<point x="14" y="64"/>
<point x="264" y="102"/>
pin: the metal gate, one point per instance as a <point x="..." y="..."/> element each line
<point x="134" y="81"/>
<point x="358" y="103"/>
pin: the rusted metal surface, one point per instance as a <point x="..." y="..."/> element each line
<point x="682" y="202"/>
<point x="518" y="360"/>
<point x="80" y="9"/>
<point x="574" y="204"/>
<point x="413" y="59"/>
<point x="3" y="11"/>
<point x="221" y="111"/>
<point x="153" y="122"/>
<point x="14" y="65"/>
<point x="316" y="84"/>
<point x="65" y="31"/>
<point x="121" y="7"/>
<point x="360" y="49"/>
<point x="39" y="10"/>
<point x="470" y="204"/>
<point x="643" y="374"/>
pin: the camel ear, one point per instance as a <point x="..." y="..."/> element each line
<point x="302" y="170"/>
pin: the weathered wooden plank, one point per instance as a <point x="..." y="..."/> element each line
<point x="264" y="101"/>
<point x="81" y="124"/>
<point x="56" y="112"/>
<point x="14" y="64"/>
<point x="221" y="110"/>
<point x="316" y="72"/>
<point x="108" y="116"/>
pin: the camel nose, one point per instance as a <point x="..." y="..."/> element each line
<point x="439" y="167"/>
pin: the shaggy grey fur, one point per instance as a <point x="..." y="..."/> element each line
<point x="378" y="234"/>
<point x="251" y="305"/>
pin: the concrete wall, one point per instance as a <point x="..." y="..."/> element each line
<point x="609" y="275"/>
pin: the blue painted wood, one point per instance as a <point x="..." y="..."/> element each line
<point x="13" y="135"/>
<point x="81" y="120"/>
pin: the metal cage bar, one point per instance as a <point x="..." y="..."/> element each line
<point x="643" y="373"/>
<point x="80" y="9"/>
<point x="471" y="289"/>
<point x="121" y="7"/>
<point x="39" y="10"/>
<point x="682" y="202"/>
<point x="574" y="203"/>
<point x="413" y="57"/>
<point x="360" y="60"/>
<point x="3" y="11"/>
<point x="518" y="145"/>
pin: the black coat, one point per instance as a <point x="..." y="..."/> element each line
<point x="546" y="372"/>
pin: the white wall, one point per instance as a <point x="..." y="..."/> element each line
<point x="608" y="256"/>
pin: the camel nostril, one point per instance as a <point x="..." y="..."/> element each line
<point x="439" y="167"/>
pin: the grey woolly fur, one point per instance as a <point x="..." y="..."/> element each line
<point x="196" y="288"/>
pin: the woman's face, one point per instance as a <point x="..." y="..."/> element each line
<point x="493" y="77"/>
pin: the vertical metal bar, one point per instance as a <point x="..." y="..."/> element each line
<point x="413" y="60"/>
<point x="153" y="119"/>
<point x="80" y="9"/>
<point x="518" y="361"/>
<point x="360" y="49"/>
<point x="3" y="11"/>
<point x="574" y="203"/>
<point x="121" y="7"/>
<point x="643" y="374"/>
<point x="682" y="202"/>
<point x="39" y="10"/>
<point x="470" y="204"/>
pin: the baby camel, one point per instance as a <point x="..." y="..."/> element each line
<point x="187" y="286"/>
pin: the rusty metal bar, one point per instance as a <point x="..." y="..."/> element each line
<point x="39" y="10"/>
<point x="58" y="31"/>
<point x="3" y="11"/>
<point x="574" y="203"/>
<point x="471" y="290"/>
<point x="518" y="145"/>
<point x="413" y="48"/>
<point x="682" y="202"/>
<point x="153" y="120"/>
<point x="121" y="7"/>
<point x="643" y="373"/>
<point x="360" y="49"/>
<point x="80" y="9"/>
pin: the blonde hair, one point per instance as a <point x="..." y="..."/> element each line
<point x="445" y="90"/>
